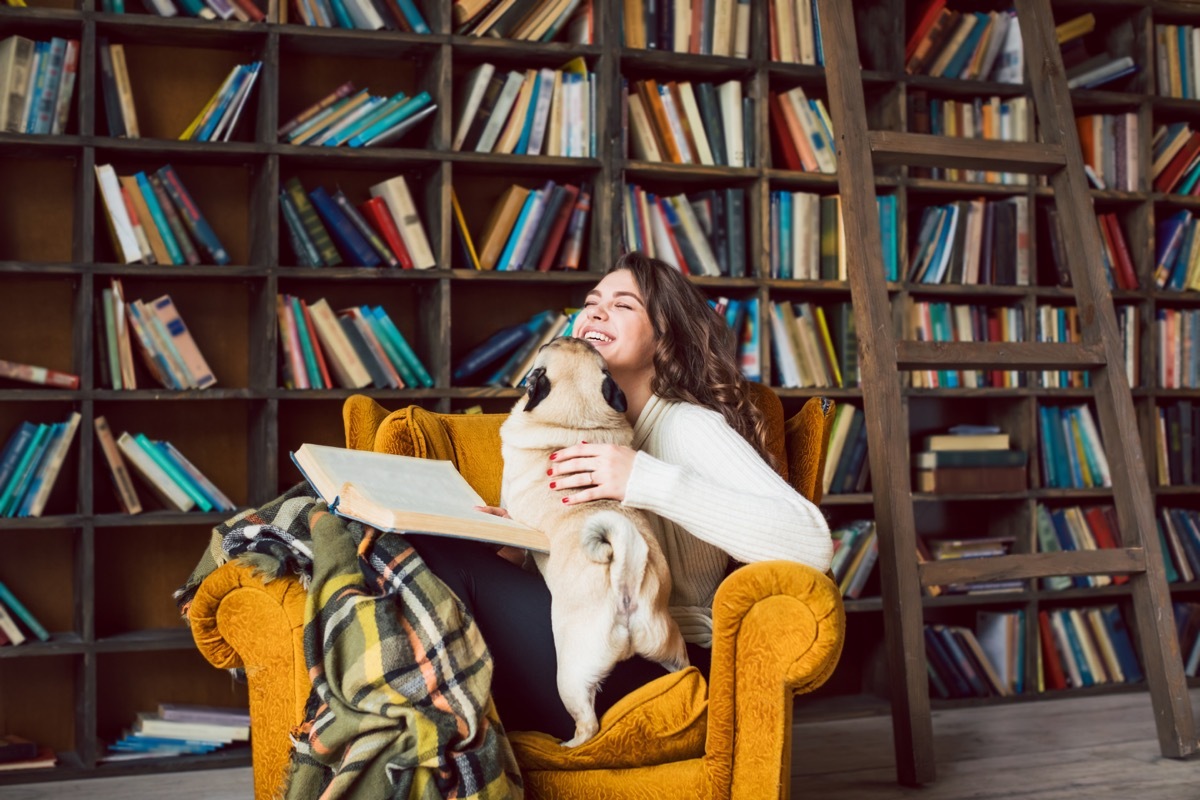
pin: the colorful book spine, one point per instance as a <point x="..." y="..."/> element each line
<point x="173" y="471"/>
<point x="406" y="353"/>
<point x="174" y="223"/>
<point x="306" y="345"/>
<point x="312" y="223"/>
<point x="196" y="223"/>
<point x="17" y="607"/>
<point x="350" y="241"/>
<point x="215" y="496"/>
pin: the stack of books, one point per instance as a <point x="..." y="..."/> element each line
<point x="973" y="242"/>
<point x="1110" y="150"/>
<point x="965" y="44"/>
<point x="969" y="459"/>
<point x="40" y="376"/>
<point x="847" y="468"/>
<point x="167" y="347"/>
<point x="1071" y="452"/>
<point x="367" y="15"/>
<point x="1179" y="530"/>
<point x="958" y="666"/>
<point x="803" y="350"/>
<point x="855" y="552"/>
<point x="1177" y="60"/>
<point x="357" y="347"/>
<point x="528" y="229"/>
<point x="1177" y="252"/>
<point x="218" y="118"/>
<point x="239" y="10"/>
<point x="17" y="624"/>
<point x="678" y="123"/>
<point x="1187" y="623"/>
<point x="1073" y="528"/>
<point x="29" y="465"/>
<point x="548" y="112"/>
<point x="718" y="28"/>
<point x="1177" y="445"/>
<point x="178" y="729"/>
<point x="526" y="20"/>
<point x="1086" y="68"/>
<point x="328" y="229"/>
<point x="803" y="132"/>
<point x="357" y="118"/>
<point x="17" y="752"/>
<point x="152" y="219"/>
<point x="170" y="475"/>
<point x="1176" y="330"/>
<point x="507" y="355"/>
<point x="117" y="90"/>
<point x="981" y="547"/>
<point x="1086" y="647"/>
<point x="795" y="32"/>
<point x="699" y="234"/>
<point x="808" y="239"/>
<point x="742" y="318"/>
<point x="37" y="82"/>
<point x="994" y="118"/>
<point x="959" y="322"/>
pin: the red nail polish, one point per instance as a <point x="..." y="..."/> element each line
<point x="553" y="484"/>
<point x="566" y="499"/>
<point x="549" y="472"/>
<point x="553" y="456"/>
<point x="582" y="441"/>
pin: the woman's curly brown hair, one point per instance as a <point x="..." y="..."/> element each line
<point x="695" y="352"/>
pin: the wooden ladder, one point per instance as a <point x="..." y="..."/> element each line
<point x="881" y="357"/>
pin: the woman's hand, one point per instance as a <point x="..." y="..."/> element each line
<point x="604" y="470"/>
<point x="513" y="555"/>
<point x="495" y="511"/>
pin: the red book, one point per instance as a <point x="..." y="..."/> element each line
<point x="1171" y="174"/>
<point x="39" y="375"/>
<point x="1106" y="537"/>
<point x="316" y="346"/>
<point x="1126" y="274"/>
<point x="554" y="238"/>
<point x="252" y="11"/>
<point x="787" y="148"/>
<point x="773" y="37"/>
<point x="928" y="18"/>
<point x="1051" y="666"/>
<point x="995" y="333"/>
<point x="376" y="212"/>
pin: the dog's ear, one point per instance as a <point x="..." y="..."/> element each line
<point x="613" y="394"/>
<point x="537" y="386"/>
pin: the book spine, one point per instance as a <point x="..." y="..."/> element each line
<point x="344" y="233"/>
<point x="126" y="493"/>
<point x="43" y="376"/>
<point x="402" y="347"/>
<point x="36" y="472"/>
<point x="312" y="223"/>
<point x="302" y="245"/>
<point x="198" y="369"/>
<point x="174" y="223"/>
<point x="311" y="328"/>
<point x="215" y="496"/>
<point x="376" y="212"/>
<point x="304" y="334"/>
<point x="40" y="490"/>
<point x="17" y="607"/>
<point x="197" y="224"/>
<point x="364" y="353"/>
<point x="14" y="491"/>
<point x="365" y="230"/>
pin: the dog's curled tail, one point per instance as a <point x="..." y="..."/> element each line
<point x="609" y="537"/>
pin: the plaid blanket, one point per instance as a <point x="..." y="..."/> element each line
<point x="400" y="704"/>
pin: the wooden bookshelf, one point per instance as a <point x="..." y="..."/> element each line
<point x="102" y="581"/>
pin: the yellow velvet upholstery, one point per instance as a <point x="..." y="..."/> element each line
<point x="778" y="631"/>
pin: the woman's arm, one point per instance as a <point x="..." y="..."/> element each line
<point x="706" y="478"/>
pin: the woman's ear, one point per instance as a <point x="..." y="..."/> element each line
<point x="537" y="387"/>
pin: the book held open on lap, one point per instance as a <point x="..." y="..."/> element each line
<point x="401" y="493"/>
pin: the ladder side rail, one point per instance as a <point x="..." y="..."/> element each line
<point x="1163" y="663"/>
<point x="886" y="424"/>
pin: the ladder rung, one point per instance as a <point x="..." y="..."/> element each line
<point x="1033" y="565"/>
<point x="997" y="355"/>
<point x="924" y="150"/>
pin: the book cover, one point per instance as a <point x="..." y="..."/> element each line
<point x="350" y="241"/>
<point x="122" y="483"/>
<point x="190" y="212"/>
<point x="193" y="360"/>
<point x="312" y="223"/>
<point x="400" y="493"/>
<point x="41" y="376"/>
<point x="215" y="496"/>
<point x="400" y="203"/>
<point x="172" y="495"/>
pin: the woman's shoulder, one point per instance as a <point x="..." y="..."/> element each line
<point x="682" y="413"/>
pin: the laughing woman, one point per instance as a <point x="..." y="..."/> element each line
<point x="698" y="464"/>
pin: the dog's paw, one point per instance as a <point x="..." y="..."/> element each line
<point x="582" y="734"/>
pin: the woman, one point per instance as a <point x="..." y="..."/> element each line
<point x="698" y="464"/>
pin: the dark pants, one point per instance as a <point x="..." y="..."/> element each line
<point x="512" y="608"/>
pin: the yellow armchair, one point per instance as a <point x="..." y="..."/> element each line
<point x="778" y="632"/>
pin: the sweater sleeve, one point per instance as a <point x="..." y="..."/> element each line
<point x="710" y="481"/>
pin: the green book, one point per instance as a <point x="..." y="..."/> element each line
<point x="406" y="352"/>
<point x="306" y="345"/>
<point x="829" y="237"/>
<point x="168" y="466"/>
<point x="16" y="486"/>
<point x="385" y="341"/>
<point x="17" y="607"/>
<point x="312" y="223"/>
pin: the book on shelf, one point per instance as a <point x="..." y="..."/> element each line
<point x="118" y="471"/>
<point x="172" y="478"/>
<point x="703" y="233"/>
<point x="30" y="464"/>
<point x="1072" y="454"/>
<point x="945" y="322"/>
<point x="37" y="84"/>
<point x="39" y="376"/>
<point x="118" y="93"/>
<point x="687" y="123"/>
<point x="1110" y="149"/>
<point x="207" y="715"/>
<point x="44" y="759"/>
<point x="719" y="28"/>
<point x="396" y="493"/>
<point x="370" y="15"/>
<point x="220" y="115"/>
<point x="970" y="480"/>
<point x="18" y="609"/>
<point x="1177" y="60"/>
<point x="16" y="748"/>
<point x="571" y="21"/>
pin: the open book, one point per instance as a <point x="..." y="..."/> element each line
<point x="405" y="494"/>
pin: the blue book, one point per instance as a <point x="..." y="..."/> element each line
<point x="962" y="661"/>
<point x="402" y="346"/>
<point x="223" y="102"/>
<point x="17" y="607"/>
<point x="15" y="489"/>
<point x="406" y="109"/>
<point x="1076" y="645"/>
<point x="160" y="219"/>
<point x="514" y="238"/>
<point x="56" y="53"/>
<point x="937" y="655"/>
<point x="887" y="230"/>
<point x="1180" y="269"/>
<point x="169" y="456"/>
<point x="410" y="378"/>
<point x="341" y="15"/>
<point x="786" y="265"/>
<point x="1168" y="561"/>
<point x="38" y="474"/>
<point x="1050" y="461"/>
<point x="1122" y="643"/>
<point x="499" y="344"/>
<point x="181" y="479"/>
<point x="41" y="57"/>
<point x="349" y="240"/>
<point x="381" y="110"/>
<point x="1188" y="182"/>
<point x="522" y="146"/>
<point x="534" y="328"/>
<point x="954" y="66"/>
<point x="409" y="9"/>
<point x="816" y="17"/>
<point x="195" y="222"/>
<point x="14" y="449"/>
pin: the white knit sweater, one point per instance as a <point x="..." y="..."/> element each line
<point x="712" y="496"/>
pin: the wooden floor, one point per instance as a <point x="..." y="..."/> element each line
<point x="1091" y="748"/>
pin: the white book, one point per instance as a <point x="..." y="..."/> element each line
<point x="229" y="120"/>
<point x="153" y="725"/>
<point x="16" y="58"/>
<point x="541" y="112"/>
<point x="781" y="348"/>
<point x="729" y="96"/>
<point x="504" y="104"/>
<point x="347" y="367"/>
<point x="805" y="33"/>
<point x="998" y="35"/>
<point x="741" y="35"/>
<point x="401" y="493"/>
<point x="641" y="136"/>
<point x="692" y="111"/>
<point x="29" y="90"/>
<point x="661" y="238"/>
<point x="395" y="193"/>
<point x="1010" y="65"/>
<point x="155" y="476"/>
<point x="10" y="627"/>
<point x="472" y="96"/>
<point x="128" y="250"/>
<point x="692" y="229"/>
<point x="723" y="24"/>
<point x="53" y="462"/>
<point x="364" y="15"/>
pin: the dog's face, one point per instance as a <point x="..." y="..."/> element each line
<point x="570" y="384"/>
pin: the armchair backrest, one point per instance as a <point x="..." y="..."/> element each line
<point x="472" y="441"/>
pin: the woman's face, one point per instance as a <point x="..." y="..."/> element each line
<point x="617" y="324"/>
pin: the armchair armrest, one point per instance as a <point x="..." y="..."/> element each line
<point x="239" y="621"/>
<point x="778" y="629"/>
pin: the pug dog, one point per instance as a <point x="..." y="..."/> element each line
<point x="608" y="578"/>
